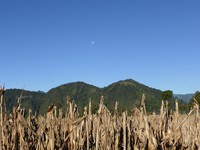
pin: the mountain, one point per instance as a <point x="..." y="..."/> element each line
<point x="80" y="92"/>
<point x="29" y="99"/>
<point x="184" y="97"/>
<point x="127" y="92"/>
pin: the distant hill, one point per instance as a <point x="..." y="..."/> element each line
<point x="30" y="99"/>
<point x="127" y="92"/>
<point x="184" y="97"/>
<point x="80" y="92"/>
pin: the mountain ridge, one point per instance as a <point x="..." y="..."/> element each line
<point x="127" y="92"/>
<point x="185" y="97"/>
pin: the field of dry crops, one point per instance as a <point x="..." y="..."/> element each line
<point x="103" y="130"/>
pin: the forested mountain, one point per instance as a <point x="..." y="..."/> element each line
<point x="80" y="92"/>
<point x="127" y="92"/>
<point x="29" y="99"/>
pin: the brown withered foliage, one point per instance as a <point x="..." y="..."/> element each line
<point x="103" y="130"/>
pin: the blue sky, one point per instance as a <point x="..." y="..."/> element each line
<point x="45" y="43"/>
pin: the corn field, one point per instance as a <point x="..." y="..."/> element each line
<point x="103" y="130"/>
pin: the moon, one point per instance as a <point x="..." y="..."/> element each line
<point x="92" y="42"/>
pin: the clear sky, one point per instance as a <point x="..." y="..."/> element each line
<point x="46" y="43"/>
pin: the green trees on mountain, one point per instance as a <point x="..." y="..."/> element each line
<point x="196" y="97"/>
<point x="167" y="95"/>
<point x="29" y="99"/>
<point x="128" y="93"/>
